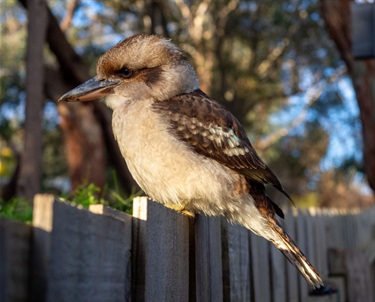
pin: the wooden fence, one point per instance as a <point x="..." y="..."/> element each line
<point x="72" y="254"/>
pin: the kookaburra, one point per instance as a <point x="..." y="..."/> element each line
<point x="184" y="149"/>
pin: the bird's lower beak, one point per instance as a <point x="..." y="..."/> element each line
<point x="90" y="90"/>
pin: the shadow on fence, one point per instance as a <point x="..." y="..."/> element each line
<point x="71" y="254"/>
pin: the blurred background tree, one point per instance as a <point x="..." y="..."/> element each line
<point x="271" y="63"/>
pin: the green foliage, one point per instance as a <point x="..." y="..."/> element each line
<point x="86" y="195"/>
<point x="120" y="203"/>
<point x="20" y="209"/>
<point x="17" y="209"/>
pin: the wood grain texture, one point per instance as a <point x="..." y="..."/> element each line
<point x="167" y="254"/>
<point x="209" y="284"/>
<point x="15" y="272"/>
<point x="88" y="255"/>
<point x="239" y="263"/>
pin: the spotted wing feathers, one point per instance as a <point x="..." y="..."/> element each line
<point x="214" y="132"/>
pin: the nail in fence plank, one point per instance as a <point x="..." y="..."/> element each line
<point x="89" y="254"/>
<point x="167" y="254"/>
<point x="209" y="285"/>
<point x="261" y="268"/>
<point x="139" y="248"/>
<point x="14" y="260"/>
<point x="239" y="263"/>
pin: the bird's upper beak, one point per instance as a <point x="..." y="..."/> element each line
<point x="90" y="90"/>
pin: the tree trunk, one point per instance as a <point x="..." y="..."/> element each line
<point x="30" y="177"/>
<point x="84" y="126"/>
<point x="84" y="144"/>
<point x="83" y="136"/>
<point x="336" y="14"/>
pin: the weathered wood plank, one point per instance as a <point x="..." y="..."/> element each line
<point x="359" y="276"/>
<point x="41" y="245"/>
<point x="139" y="248"/>
<point x="310" y="234"/>
<point x="303" y="245"/>
<point x="89" y="254"/>
<point x="278" y="274"/>
<point x="260" y="268"/>
<point x="209" y="286"/>
<point x="127" y="247"/>
<point x="354" y="266"/>
<point x="320" y="244"/>
<point x="15" y="239"/>
<point x="81" y="256"/>
<point x="239" y="263"/>
<point x="167" y="254"/>
<point x="110" y="212"/>
<point x="291" y="271"/>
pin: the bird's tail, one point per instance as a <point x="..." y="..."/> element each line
<point x="290" y="250"/>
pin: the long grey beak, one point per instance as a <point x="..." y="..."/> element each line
<point x="90" y="90"/>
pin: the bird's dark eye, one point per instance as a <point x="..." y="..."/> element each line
<point x="125" y="72"/>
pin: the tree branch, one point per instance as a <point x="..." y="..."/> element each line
<point x="312" y="95"/>
<point x="71" y="6"/>
<point x="73" y="72"/>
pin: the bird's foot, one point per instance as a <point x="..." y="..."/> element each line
<point x="180" y="208"/>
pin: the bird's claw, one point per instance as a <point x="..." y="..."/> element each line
<point x="181" y="209"/>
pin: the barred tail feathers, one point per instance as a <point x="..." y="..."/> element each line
<point x="294" y="255"/>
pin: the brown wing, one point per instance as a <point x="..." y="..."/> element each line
<point x="214" y="132"/>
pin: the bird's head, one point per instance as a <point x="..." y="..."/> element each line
<point x="142" y="66"/>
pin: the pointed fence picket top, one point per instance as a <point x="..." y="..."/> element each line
<point x="74" y="254"/>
